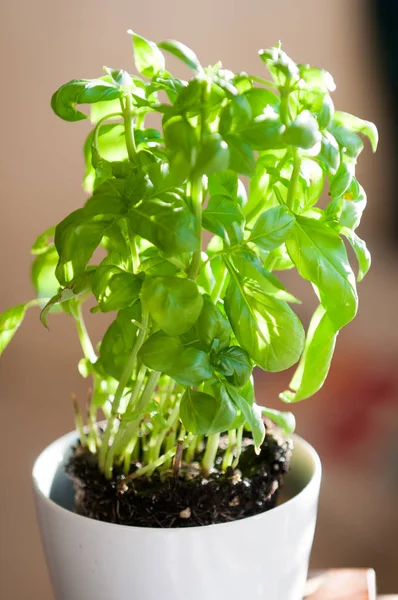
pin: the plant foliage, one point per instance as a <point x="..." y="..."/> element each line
<point x="191" y="322"/>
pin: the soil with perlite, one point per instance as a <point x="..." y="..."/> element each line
<point x="187" y="499"/>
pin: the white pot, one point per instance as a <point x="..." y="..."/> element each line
<point x="262" y="557"/>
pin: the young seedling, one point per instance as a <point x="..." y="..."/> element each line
<point x="174" y="369"/>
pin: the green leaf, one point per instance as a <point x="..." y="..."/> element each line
<point x="324" y="114"/>
<point x="285" y="420"/>
<point x="279" y="260"/>
<point x="114" y="288"/>
<point x="361" y="251"/>
<point x="81" y="91"/>
<point x="303" y="132"/>
<point x="147" y="57"/>
<point x="227" y="183"/>
<point x="174" y="303"/>
<point x="119" y="340"/>
<point x="167" y="354"/>
<point x="272" y="228"/>
<point x="329" y="155"/>
<point x="181" y="141"/>
<point x="280" y="65"/>
<point x="315" y="361"/>
<point x="79" y="285"/>
<point x="43" y="273"/>
<point x="235" y="364"/>
<point x="235" y="115"/>
<point x="44" y="241"/>
<point x="341" y="181"/>
<point x="166" y="222"/>
<point x="203" y="414"/>
<point x="224" y="217"/>
<point x="250" y="266"/>
<point x="259" y="99"/>
<point x="264" y="132"/>
<point x="10" y="320"/>
<point x="358" y="125"/>
<point x="311" y="181"/>
<point x="111" y="147"/>
<point x="213" y="155"/>
<point x="250" y="411"/>
<point x="81" y="232"/>
<point x="320" y="257"/>
<point x="317" y="79"/>
<point x="212" y="328"/>
<point x="157" y="266"/>
<point x="353" y="204"/>
<point x="265" y="327"/>
<point x="349" y="142"/>
<point x="241" y="156"/>
<point x="182" y="52"/>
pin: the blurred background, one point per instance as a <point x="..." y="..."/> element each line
<point x="353" y="421"/>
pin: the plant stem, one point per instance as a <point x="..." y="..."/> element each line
<point x="128" y="114"/>
<point x="132" y="428"/>
<point x="151" y="466"/>
<point x="218" y="287"/>
<point x="84" y="338"/>
<point x="210" y="453"/>
<point x="190" y="453"/>
<point x="134" y="254"/>
<point x="137" y="386"/>
<point x="260" y="206"/>
<point x="92" y="437"/>
<point x="128" y="453"/>
<point x="161" y="435"/>
<point x="294" y="179"/>
<point x="197" y="200"/>
<point x="125" y="376"/>
<point x="238" y="447"/>
<point x="128" y="368"/>
<point x="98" y="127"/>
<point x="229" y="453"/>
<point x="79" y="421"/>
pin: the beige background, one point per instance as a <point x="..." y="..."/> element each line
<point x="47" y="42"/>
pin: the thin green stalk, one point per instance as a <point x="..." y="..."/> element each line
<point x="84" y="338"/>
<point x="238" y="447"/>
<point x="128" y="115"/>
<point x="151" y="466"/>
<point x="128" y="368"/>
<point x="265" y="82"/>
<point x="137" y="386"/>
<point x="148" y="392"/>
<point x="294" y="180"/>
<point x="99" y="125"/>
<point x="229" y="453"/>
<point x="218" y="287"/>
<point x="210" y="453"/>
<point x="92" y="435"/>
<point x="260" y="206"/>
<point x="141" y="406"/>
<point x="125" y="376"/>
<point x="161" y="435"/>
<point x="197" y="200"/>
<point x="171" y="438"/>
<point x="134" y="254"/>
<point x="190" y="453"/>
<point x="79" y="422"/>
<point x="128" y="454"/>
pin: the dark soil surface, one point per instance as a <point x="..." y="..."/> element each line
<point x="187" y="500"/>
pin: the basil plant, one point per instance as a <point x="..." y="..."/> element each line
<point x="245" y="158"/>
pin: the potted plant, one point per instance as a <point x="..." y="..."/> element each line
<point x="172" y="491"/>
